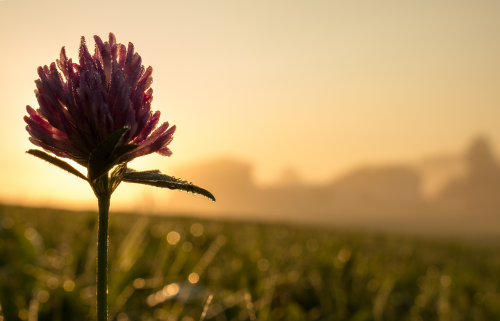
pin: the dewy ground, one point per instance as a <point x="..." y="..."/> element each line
<point x="164" y="267"/>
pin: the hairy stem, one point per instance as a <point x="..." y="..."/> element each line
<point x="102" y="252"/>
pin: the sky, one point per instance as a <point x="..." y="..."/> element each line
<point x="320" y="86"/>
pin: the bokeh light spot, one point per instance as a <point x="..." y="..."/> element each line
<point x="197" y="229"/>
<point x="43" y="296"/>
<point x="173" y="237"/>
<point x="69" y="285"/>
<point x="139" y="283"/>
<point x="445" y="280"/>
<point x="187" y="246"/>
<point x="194" y="278"/>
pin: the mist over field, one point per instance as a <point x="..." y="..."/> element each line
<point x="441" y="194"/>
<point x="320" y="88"/>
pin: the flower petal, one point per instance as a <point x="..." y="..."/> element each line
<point x="105" y="51"/>
<point x="152" y="123"/>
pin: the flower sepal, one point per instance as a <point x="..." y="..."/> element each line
<point x="156" y="178"/>
<point x="108" y="153"/>
<point x="116" y="176"/>
<point x="105" y="185"/>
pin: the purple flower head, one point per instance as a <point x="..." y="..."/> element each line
<point x="94" y="98"/>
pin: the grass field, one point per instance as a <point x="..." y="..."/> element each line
<point x="164" y="268"/>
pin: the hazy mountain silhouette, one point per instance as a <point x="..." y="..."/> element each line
<point x="375" y="196"/>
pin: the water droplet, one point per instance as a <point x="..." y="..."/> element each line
<point x="195" y="194"/>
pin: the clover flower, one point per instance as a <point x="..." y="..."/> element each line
<point x="98" y="113"/>
<point x="102" y="94"/>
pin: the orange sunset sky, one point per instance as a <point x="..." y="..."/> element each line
<point x="320" y="86"/>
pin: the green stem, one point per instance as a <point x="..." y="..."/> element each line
<point x="102" y="253"/>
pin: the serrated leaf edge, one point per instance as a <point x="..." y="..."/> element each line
<point x="167" y="184"/>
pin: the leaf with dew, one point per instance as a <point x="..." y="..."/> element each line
<point x="156" y="178"/>
<point x="57" y="162"/>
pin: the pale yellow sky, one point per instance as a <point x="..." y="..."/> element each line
<point x="320" y="86"/>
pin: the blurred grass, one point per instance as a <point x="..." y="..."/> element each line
<point x="164" y="268"/>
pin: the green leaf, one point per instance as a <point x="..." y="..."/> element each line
<point x="57" y="162"/>
<point x="156" y="178"/>
<point x="108" y="153"/>
<point x="122" y="150"/>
